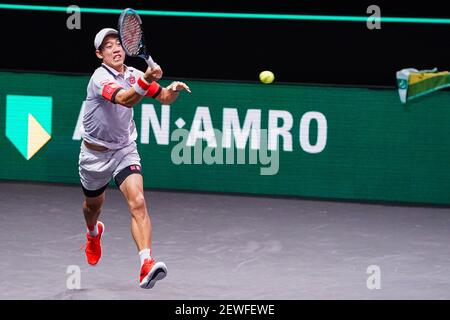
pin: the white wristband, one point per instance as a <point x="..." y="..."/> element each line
<point x="139" y="90"/>
<point x="141" y="86"/>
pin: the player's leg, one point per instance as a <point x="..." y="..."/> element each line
<point x="130" y="182"/>
<point x="128" y="178"/>
<point x="95" y="173"/>
<point x="141" y="226"/>
<point x="92" y="206"/>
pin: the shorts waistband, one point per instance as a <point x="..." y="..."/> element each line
<point x="95" y="147"/>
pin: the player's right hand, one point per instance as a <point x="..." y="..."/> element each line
<point x="153" y="74"/>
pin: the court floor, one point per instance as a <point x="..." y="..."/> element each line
<point x="224" y="247"/>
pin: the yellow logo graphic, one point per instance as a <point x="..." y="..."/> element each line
<point x="28" y="123"/>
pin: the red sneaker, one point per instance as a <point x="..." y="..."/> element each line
<point x="151" y="272"/>
<point x="93" y="245"/>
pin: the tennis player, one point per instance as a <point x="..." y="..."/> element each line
<point x="109" y="150"/>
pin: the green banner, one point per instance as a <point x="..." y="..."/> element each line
<point x="295" y="140"/>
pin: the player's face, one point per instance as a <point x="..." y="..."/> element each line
<point x="112" y="52"/>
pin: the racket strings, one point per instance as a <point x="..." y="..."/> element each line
<point x="131" y="34"/>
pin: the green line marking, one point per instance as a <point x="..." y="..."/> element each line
<point x="192" y="14"/>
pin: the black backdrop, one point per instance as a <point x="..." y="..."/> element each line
<point x="238" y="49"/>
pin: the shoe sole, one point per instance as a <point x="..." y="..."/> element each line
<point x="103" y="232"/>
<point x="159" y="273"/>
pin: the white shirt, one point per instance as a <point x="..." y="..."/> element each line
<point x="106" y="123"/>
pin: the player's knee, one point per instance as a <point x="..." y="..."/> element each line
<point x="137" y="205"/>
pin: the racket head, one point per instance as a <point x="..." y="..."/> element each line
<point x="131" y="34"/>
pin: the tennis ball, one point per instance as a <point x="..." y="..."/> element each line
<point x="266" y="77"/>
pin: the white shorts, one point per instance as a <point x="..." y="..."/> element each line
<point x="96" y="168"/>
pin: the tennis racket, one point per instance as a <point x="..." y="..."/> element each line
<point x="131" y="36"/>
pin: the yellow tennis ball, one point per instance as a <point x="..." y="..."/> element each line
<point x="266" y="77"/>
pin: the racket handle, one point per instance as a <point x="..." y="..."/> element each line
<point x="150" y="62"/>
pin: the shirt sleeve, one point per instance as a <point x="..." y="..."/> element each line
<point x="106" y="86"/>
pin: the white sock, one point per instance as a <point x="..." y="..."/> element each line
<point x="145" y="254"/>
<point x="93" y="232"/>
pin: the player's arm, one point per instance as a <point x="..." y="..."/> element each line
<point x="134" y="95"/>
<point x="170" y="93"/>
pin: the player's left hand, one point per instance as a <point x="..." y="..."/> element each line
<point x="177" y="86"/>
